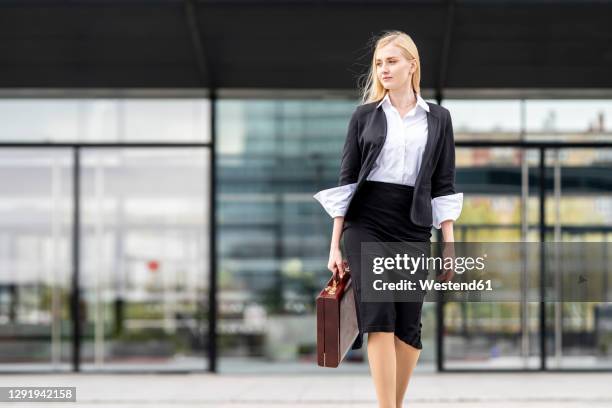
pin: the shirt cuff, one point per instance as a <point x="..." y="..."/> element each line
<point x="446" y="207"/>
<point x="335" y="200"/>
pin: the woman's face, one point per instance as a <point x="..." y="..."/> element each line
<point x="393" y="70"/>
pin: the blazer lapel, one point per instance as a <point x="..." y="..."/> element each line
<point x="378" y="132"/>
<point x="380" y="125"/>
<point x="432" y="137"/>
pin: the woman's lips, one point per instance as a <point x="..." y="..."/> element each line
<point x="386" y="78"/>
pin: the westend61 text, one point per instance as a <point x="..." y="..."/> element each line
<point x="431" y="284"/>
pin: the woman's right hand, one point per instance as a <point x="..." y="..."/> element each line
<point x="336" y="264"/>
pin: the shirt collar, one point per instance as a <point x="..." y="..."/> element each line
<point x="420" y="101"/>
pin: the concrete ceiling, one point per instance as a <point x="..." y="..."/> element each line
<point x="296" y="44"/>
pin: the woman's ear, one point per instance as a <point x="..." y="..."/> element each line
<point x="413" y="67"/>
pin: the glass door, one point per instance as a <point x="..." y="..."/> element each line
<point x="35" y="262"/>
<point x="144" y="258"/>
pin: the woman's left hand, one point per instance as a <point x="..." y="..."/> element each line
<point x="448" y="251"/>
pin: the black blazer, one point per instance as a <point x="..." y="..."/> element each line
<point x="366" y="135"/>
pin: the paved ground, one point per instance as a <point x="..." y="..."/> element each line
<point x="428" y="390"/>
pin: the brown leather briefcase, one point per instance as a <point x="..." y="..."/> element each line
<point x="337" y="326"/>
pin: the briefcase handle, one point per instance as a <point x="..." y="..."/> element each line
<point x="331" y="289"/>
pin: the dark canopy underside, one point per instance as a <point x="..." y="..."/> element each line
<point x="300" y="44"/>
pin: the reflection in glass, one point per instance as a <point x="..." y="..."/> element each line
<point x="274" y="239"/>
<point x="105" y="120"/>
<point x="35" y="262"/>
<point x="578" y="208"/>
<point x="569" y="116"/>
<point x="484" y="119"/>
<point x="144" y="258"/>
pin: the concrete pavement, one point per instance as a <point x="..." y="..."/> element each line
<point x="429" y="390"/>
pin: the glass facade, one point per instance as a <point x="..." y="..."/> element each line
<point x="35" y="265"/>
<point x="144" y="258"/>
<point x="144" y="231"/>
<point x="144" y="234"/>
<point x="105" y="120"/>
<point x="273" y="155"/>
<point x="501" y="203"/>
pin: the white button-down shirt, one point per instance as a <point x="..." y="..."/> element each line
<point x="399" y="162"/>
<point x="400" y="158"/>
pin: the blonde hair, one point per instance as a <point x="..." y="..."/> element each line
<point x="373" y="90"/>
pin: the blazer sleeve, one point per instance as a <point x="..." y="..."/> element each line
<point x="447" y="203"/>
<point x="350" y="164"/>
<point x="335" y="200"/>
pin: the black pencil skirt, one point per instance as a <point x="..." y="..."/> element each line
<point x="379" y="212"/>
